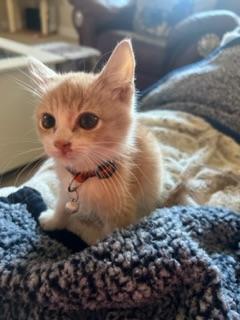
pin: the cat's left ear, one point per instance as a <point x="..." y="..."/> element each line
<point x="40" y="73"/>
<point x="120" y="67"/>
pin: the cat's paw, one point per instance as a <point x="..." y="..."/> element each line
<point x="48" y="220"/>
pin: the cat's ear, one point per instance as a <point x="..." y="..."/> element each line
<point x="40" y="73"/>
<point x="120" y="67"/>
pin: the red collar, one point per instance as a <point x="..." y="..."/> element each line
<point x="103" y="171"/>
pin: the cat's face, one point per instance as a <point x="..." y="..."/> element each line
<point x="85" y="119"/>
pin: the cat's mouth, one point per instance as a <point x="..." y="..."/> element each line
<point x="66" y="154"/>
<point x="63" y="154"/>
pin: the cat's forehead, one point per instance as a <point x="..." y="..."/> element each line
<point x="71" y="91"/>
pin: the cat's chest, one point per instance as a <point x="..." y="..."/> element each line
<point x="95" y="204"/>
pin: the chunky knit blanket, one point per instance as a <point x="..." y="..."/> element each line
<point x="181" y="262"/>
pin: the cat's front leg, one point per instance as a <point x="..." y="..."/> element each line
<point x="48" y="220"/>
<point x="55" y="219"/>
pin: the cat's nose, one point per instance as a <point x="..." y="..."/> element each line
<point x="63" y="145"/>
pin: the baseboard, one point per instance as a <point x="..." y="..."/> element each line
<point x="68" y="32"/>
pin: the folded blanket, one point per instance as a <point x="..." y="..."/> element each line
<point x="201" y="164"/>
<point x="181" y="263"/>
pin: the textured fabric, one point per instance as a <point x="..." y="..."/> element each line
<point x="201" y="164"/>
<point x="155" y="18"/>
<point x="179" y="263"/>
<point x="209" y="89"/>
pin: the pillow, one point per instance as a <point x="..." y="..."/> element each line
<point x="155" y="18"/>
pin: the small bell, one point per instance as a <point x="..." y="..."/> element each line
<point x="72" y="206"/>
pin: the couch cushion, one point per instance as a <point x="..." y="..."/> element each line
<point x="155" y="18"/>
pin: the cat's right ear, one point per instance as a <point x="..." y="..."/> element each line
<point x="40" y="74"/>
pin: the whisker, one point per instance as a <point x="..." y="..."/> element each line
<point x="28" y="88"/>
<point x="30" y="150"/>
<point x="114" y="153"/>
<point x="111" y="191"/>
<point x="29" y="77"/>
<point x="2" y="176"/>
<point x="103" y="182"/>
<point x="134" y="176"/>
<point x="121" y="182"/>
<point x="32" y="166"/>
<point x="12" y="143"/>
<point x="10" y="161"/>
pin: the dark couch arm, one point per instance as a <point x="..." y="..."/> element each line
<point x="99" y="15"/>
<point x="182" y="48"/>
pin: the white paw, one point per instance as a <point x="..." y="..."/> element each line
<point x="48" y="220"/>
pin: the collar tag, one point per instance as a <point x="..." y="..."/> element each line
<point x="104" y="171"/>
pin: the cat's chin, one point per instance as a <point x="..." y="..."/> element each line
<point x="75" y="164"/>
<point x="62" y="160"/>
<point x="80" y="162"/>
<point x="61" y="156"/>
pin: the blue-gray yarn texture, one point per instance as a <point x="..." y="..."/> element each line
<point x="179" y="260"/>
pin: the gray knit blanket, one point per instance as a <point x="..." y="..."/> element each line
<point x="178" y="263"/>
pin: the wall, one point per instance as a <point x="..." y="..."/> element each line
<point x="65" y="20"/>
<point x="3" y="16"/>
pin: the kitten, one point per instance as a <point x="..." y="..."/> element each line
<point x="88" y="125"/>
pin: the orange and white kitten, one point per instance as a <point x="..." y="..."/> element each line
<point x="86" y="121"/>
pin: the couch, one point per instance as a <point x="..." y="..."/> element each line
<point x="165" y="35"/>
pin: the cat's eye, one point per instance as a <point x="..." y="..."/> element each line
<point x="48" y="121"/>
<point x="88" y="121"/>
